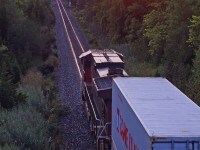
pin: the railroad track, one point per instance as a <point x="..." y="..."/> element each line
<point x="75" y="127"/>
<point x="76" y="46"/>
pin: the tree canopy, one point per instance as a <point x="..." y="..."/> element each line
<point x="162" y="33"/>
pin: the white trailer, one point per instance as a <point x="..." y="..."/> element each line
<point x="152" y="114"/>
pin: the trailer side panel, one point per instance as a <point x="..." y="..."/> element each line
<point x="127" y="131"/>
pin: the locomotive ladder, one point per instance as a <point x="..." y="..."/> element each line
<point x="96" y="124"/>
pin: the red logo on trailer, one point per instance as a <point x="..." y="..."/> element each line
<point x="125" y="135"/>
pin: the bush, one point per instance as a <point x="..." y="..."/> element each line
<point x="31" y="86"/>
<point x="53" y="60"/>
<point x="33" y="78"/>
<point x="35" y="98"/>
<point x="137" y="69"/>
<point x="25" y="127"/>
<point x="8" y="95"/>
<point x="124" y="49"/>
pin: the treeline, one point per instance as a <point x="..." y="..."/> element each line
<point x="29" y="107"/>
<point x="163" y="37"/>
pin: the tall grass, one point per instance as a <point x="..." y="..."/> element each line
<point x="35" y="98"/>
<point x="33" y="125"/>
<point x="24" y="127"/>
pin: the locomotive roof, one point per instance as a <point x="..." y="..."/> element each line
<point x="163" y="110"/>
<point x="97" y="52"/>
<point x="103" y="56"/>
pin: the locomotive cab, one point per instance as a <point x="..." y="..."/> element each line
<point x="99" y="67"/>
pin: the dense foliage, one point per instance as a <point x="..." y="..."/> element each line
<point x="162" y="36"/>
<point x="29" y="107"/>
<point x="23" y="36"/>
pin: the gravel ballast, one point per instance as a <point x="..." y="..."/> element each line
<point x="74" y="125"/>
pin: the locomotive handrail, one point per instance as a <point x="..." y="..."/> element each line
<point x="108" y="123"/>
<point x="92" y="104"/>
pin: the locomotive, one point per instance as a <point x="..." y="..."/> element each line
<point x="99" y="67"/>
<point x="143" y="110"/>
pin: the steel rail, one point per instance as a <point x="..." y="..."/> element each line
<point x="73" y="51"/>
<point x="97" y="119"/>
<point x="72" y="27"/>
<point x="70" y="42"/>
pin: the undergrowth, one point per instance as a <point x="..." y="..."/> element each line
<point x="33" y="124"/>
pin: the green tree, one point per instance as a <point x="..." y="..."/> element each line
<point x="167" y="34"/>
<point x="157" y="32"/>
<point x="9" y="75"/>
<point x="194" y="39"/>
<point x="177" y="55"/>
<point x="116" y="20"/>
